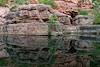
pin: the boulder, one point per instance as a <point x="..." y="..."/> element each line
<point x="3" y="12"/>
<point x="37" y="12"/>
<point x="83" y="20"/>
<point x="63" y="18"/>
<point x="4" y="54"/>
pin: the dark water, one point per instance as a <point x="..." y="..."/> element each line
<point x="44" y="51"/>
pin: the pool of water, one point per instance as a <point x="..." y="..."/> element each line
<point x="54" y="51"/>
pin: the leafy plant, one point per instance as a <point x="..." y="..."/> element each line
<point x="51" y="24"/>
<point x="97" y="19"/>
<point x="97" y="12"/>
<point x="48" y="2"/>
<point x="13" y="8"/>
<point x="3" y="62"/>
<point x="83" y="12"/>
<point x="3" y="2"/>
<point x="21" y="2"/>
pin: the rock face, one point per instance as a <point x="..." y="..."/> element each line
<point x="3" y="52"/>
<point x="29" y="19"/>
<point x="31" y="12"/>
<point x="73" y="5"/>
<point x="64" y="19"/>
<point x="83" y="20"/>
<point x="3" y="12"/>
<point x="35" y="18"/>
<point x="38" y="49"/>
<point x="34" y="1"/>
<point x="32" y="19"/>
<point x="31" y="49"/>
<point x="27" y="28"/>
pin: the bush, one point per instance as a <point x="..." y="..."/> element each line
<point x="3" y="2"/>
<point x="97" y="18"/>
<point x="48" y="2"/>
<point x="21" y="2"/>
<point x="83" y="12"/>
<point x="51" y="24"/>
<point x="97" y="12"/>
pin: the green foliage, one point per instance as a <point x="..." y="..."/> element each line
<point x="21" y="2"/>
<point x="83" y="12"/>
<point x="48" y="2"/>
<point x="97" y="18"/>
<point x="3" y="62"/>
<point x="96" y="1"/>
<point x="3" y="2"/>
<point x="51" y="24"/>
<point x="97" y="15"/>
<point x="96" y="11"/>
<point x="53" y="18"/>
<point x="13" y="8"/>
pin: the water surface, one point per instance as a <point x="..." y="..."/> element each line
<point x="54" y="51"/>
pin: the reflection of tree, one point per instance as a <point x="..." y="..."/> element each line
<point x="95" y="54"/>
<point x="71" y="58"/>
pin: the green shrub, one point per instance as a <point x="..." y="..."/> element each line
<point x="83" y="12"/>
<point x="3" y="62"/>
<point x="3" y="2"/>
<point x="51" y="24"/>
<point x="21" y="2"/>
<point x="97" y="18"/>
<point x="48" y="2"/>
<point x="97" y="12"/>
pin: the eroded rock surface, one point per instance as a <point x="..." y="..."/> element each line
<point x="3" y="12"/>
<point x="83" y="20"/>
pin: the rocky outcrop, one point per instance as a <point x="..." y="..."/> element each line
<point x="31" y="12"/>
<point x="3" y="52"/>
<point x="38" y="49"/>
<point x="34" y="12"/>
<point x="31" y="49"/>
<point x="83" y="20"/>
<point x="33" y="19"/>
<point x="72" y="5"/>
<point x="27" y="28"/>
<point x="3" y="12"/>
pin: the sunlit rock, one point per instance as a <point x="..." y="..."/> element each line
<point x="83" y="20"/>
<point x="63" y="18"/>
<point x="3" y="12"/>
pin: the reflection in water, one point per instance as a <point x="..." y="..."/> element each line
<point x="38" y="51"/>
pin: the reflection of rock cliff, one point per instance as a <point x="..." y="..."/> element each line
<point x="32" y="49"/>
<point x="28" y="49"/>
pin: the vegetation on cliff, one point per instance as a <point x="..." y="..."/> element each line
<point x="3" y="2"/>
<point x="48" y="2"/>
<point x="96" y="11"/>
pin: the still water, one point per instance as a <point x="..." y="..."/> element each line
<point x="54" y="51"/>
